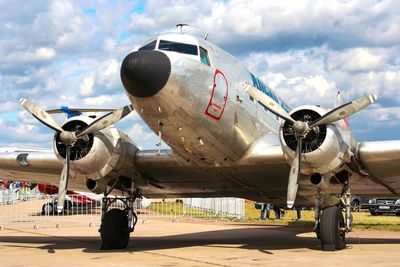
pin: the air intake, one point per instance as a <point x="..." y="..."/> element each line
<point x="313" y="139"/>
<point x="82" y="146"/>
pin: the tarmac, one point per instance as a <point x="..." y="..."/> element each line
<point x="193" y="243"/>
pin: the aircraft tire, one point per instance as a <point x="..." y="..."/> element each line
<point x="114" y="230"/>
<point x="331" y="222"/>
<point x="355" y="205"/>
<point x="48" y="209"/>
<point x="67" y="207"/>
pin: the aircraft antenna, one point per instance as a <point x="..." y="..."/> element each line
<point x="180" y="26"/>
<point x="205" y="36"/>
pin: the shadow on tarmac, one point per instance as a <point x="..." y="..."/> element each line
<point x="264" y="239"/>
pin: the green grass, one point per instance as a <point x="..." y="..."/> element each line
<point x="361" y="220"/>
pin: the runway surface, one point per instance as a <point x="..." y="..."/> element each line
<point x="166" y="243"/>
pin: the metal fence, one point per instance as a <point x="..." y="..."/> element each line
<point x="223" y="207"/>
<point x="38" y="211"/>
<point x="9" y="196"/>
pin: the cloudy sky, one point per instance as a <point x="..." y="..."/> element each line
<point x="69" y="53"/>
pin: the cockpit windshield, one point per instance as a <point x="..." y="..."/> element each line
<point x="149" y="46"/>
<point x="178" y="47"/>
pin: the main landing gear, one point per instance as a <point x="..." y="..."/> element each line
<point x="330" y="224"/>
<point x="117" y="224"/>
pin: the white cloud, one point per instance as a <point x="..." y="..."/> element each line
<point x="358" y="59"/>
<point x="108" y="101"/>
<point x="24" y="133"/>
<point x="38" y="55"/>
<point x="55" y="53"/>
<point x="137" y="133"/>
<point x="316" y="90"/>
<point x="8" y="106"/>
<point x="44" y="53"/>
<point x="87" y="86"/>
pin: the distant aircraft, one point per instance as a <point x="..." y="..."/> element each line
<point x="73" y="200"/>
<point x="230" y="136"/>
<point x="76" y="202"/>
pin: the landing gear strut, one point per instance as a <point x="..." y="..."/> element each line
<point x="117" y="224"/>
<point x="330" y="224"/>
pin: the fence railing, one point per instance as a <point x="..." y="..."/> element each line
<point x="39" y="211"/>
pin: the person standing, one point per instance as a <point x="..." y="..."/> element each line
<point x="277" y="211"/>
<point x="265" y="208"/>
<point x="298" y="211"/>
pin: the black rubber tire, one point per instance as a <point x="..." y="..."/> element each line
<point x="330" y="223"/>
<point x="67" y="207"/>
<point x="48" y="209"/>
<point x="355" y="205"/>
<point x="114" y="230"/>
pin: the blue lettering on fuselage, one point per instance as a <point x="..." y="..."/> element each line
<point x="257" y="83"/>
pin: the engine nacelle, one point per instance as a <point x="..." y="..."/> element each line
<point x="325" y="148"/>
<point x="100" y="158"/>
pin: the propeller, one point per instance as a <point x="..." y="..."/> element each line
<point x="301" y="128"/>
<point x="69" y="138"/>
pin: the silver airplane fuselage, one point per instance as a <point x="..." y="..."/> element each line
<point x="191" y="93"/>
<point x="202" y="112"/>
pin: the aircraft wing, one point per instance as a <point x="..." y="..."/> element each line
<point x="257" y="176"/>
<point x="30" y="165"/>
<point x="261" y="175"/>
<point x="381" y="160"/>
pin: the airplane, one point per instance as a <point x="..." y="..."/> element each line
<point x="229" y="135"/>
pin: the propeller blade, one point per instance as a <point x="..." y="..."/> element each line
<point x="105" y="121"/>
<point x="62" y="188"/>
<point x="294" y="175"/>
<point x="40" y="114"/>
<point x="344" y="110"/>
<point x="268" y="102"/>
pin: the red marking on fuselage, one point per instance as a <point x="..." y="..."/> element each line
<point x="346" y="122"/>
<point x="215" y="110"/>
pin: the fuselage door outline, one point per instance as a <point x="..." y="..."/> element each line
<point x="219" y="96"/>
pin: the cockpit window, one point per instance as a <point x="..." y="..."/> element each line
<point x="204" y="56"/>
<point x="149" y="46"/>
<point x="178" y="47"/>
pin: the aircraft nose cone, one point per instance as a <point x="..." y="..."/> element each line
<point x="145" y="73"/>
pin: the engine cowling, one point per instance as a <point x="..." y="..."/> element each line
<point x="100" y="158"/>
<point x="325" y="148"/>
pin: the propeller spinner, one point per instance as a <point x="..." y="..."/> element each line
<point x="69" y="138"/>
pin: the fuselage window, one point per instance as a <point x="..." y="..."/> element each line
<point x="149" y="46"/>
<point x="204" y="56"/>
<point x="178" y="47"/>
